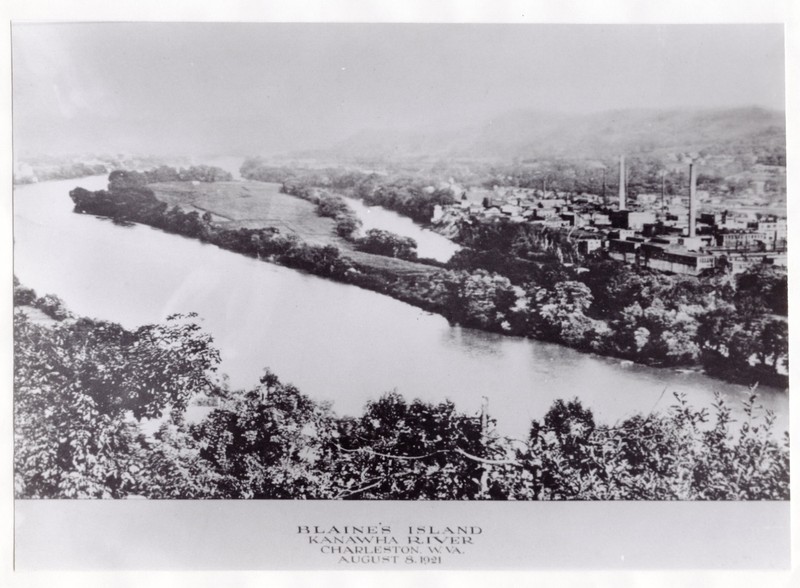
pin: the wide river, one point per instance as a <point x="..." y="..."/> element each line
<point x="333" y="341"/>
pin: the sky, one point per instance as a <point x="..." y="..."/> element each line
<point x="173" y="88"/>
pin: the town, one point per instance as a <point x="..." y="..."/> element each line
<point x="682" y="234"/>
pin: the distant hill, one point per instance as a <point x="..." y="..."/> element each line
<point x="536" y="134"/>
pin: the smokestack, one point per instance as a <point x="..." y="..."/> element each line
<point x="622" y="202"/>
<point x="692" y="198"/>
<point x="605" y="201"/>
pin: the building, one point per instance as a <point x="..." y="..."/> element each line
<point x="623" y="250"/>
<point x="588" y="244"/>
<point x="600" y="220"/>
<point x="622" y="234"/>
<point x="740" y="239"/>
<point x="774" y="232"/>
<point x="662" y="257"/>
<point x="629" y="219"/>
<point x="740" y="261"/>
<point x="681" y="262"/>
<point x="694" y="243"/>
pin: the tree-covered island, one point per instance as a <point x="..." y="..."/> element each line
<point x="508" y="277"/>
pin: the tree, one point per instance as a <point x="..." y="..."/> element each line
<point x="401" y="450"/>
<point x="774" y="343"/>
<point x="677" y="455"/>
<point x="78" y="386"/>
<point x="347" y="225"/>
<point x="760" y="289"/>
<point x="560" y="314"/>
<point x="23" y="296"/>
<point x="715" y="328"/>
<point x="332" y="206"/>
<point x="386" y="243"/>
<point x="269" y="442"/>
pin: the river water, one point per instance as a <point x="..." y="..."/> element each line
<point x="429" y="243"/>
<point x="333" y="341"/>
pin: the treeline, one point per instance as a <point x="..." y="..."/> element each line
<point x="328" y="205"/>
<point x="50" y="304"/>
<point x="129" y="199"/>
<point x="407" y="196"/>
<point x="722" y="324"/>
<point x="256" y="169"/>
<point x="727" y="328"/>
<point x="60" y="172"/>
<point x="646" y="174"/>
<point x="348" y="225"/>
<point x="407" y="191"/>
<point x="162" y="173"/>
<point x="412" y="197"/>
<point x="518" y="243"/>
<point x="165" y="173"/>
<point x="83" y="387"/>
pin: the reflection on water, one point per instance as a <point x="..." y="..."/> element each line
<point x="473" y="342"/>
<point x="333" y="341"/>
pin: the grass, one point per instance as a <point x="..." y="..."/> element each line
<point x="261" y="204"/>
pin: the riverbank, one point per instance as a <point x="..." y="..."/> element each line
<point x="254" y="206"/>
<point x="81" y="380"/>
<point x="554" y="311"/>
<point x="335" y="341"/>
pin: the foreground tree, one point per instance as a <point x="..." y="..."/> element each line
<point x="83" y="386"/>
<point x="269" y="442"/>
<point x="679" y="455"/>
<point x="79" y="389"/>
<point x="413" y="450"/>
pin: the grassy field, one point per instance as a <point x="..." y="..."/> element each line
<point x="260" y="204"/>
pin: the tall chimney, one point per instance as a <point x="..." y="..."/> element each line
<point x="605" y="201"/>
<point x="692" y="198"/>
<point x="622" y="202"/>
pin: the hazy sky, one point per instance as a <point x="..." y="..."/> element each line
<point x="264" y="87"/>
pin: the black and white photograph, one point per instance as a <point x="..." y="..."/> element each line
<point x="406" y="266"/>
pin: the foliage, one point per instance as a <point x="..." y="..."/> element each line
<point x="61" y="172"/>
<point x="761" y="289"/>
<point x="77" y="385"/>
<point x="49" y="304"/>
<point x="266" y="443"/>
<point x="382" y="242"/>
<point x="603" y="306"/>
<point x="347" y="225"/>
<point x="405" y="195"/>
<point x="400" y="450"/>
<point x="23" y="296"/>
<point x="676" y="456"/>
<point x="52" y="306"/>
<point x="82" y="386"/>
<point x="122" y="179"/>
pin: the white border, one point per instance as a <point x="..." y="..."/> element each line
<point x="561" y="11"/>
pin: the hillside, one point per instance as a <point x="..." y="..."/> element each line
<point x="524" y="134"/>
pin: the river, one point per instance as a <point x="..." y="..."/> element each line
<point x="335" y="342"/>
<point x="429" y="243"/>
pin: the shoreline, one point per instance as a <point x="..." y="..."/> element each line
<point x="387" y="282"/>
